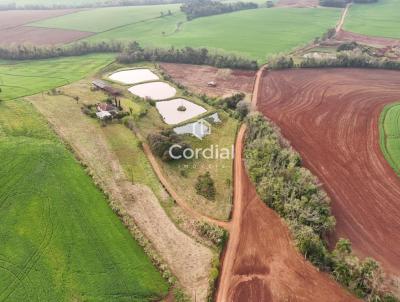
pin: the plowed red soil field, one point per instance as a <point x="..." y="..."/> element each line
<point x="40" y="35"/>
<point x="261" y="263"/>
<point x="331" y="118"/>
<point x="343" y="35"/>
<point x="14" y="18"/>
<point x="12" y="29"/>
<point x="196" y="78"/>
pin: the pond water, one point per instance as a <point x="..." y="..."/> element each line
<point x="199" y="129"/>
<point x="134" y="76"/>
<point x="172" y="116"/>
<point x="155" y="90"/>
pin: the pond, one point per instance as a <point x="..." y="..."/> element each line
<point x="155" y="90"/>
<point x="134" y="76"/>
<point x="178" y="110"/>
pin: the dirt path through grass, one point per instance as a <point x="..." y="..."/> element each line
<point x="178" y="199"/>
<point x="342" y="18"/>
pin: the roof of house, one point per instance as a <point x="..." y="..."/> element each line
<point x="103" y="114"/>
<point x="106" y="107"/>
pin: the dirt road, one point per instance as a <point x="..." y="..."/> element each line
<point x="261" y="263"/>
<point x="331" y="118"/>
<point x="342" y="18"/>
<point x="178" y="199"/>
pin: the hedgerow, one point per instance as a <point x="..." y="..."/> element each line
<point x="295" y="194"/>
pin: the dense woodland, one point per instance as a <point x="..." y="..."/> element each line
<point x="294" y="193"/>
<point x="128" y="53"/>
<point x="201" y="8"/>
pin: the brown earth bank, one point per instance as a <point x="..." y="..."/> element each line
<point x="331" y="118"/>
<point x="196" y="77"/>
<point x="261" y="263"/>
<point x="297" y="3"/>
<point x="14" y="18"/>
<point x="40" y="35"/>
<point x="343" y="35"/>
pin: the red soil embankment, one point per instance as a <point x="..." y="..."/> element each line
<point x="331" y="118"/>
<point x="343" y="35"/>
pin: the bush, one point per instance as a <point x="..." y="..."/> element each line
<point x="205" y="186"/>
<point x="160" y="144"/>
<point x="333" y="3"/>
<point x="281" y="62"/>
<point x="347" y="46"/>
<point x="216" y="234"/>
<point x="243" y="108"/>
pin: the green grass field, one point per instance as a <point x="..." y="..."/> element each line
<point x="25" y="78"/>
<point x="390" y="135"/>
<point x="378" y="19"/>
<point x="102" y="19"/>
<point x="60" y="241"/>
<point x="253" y="33"/>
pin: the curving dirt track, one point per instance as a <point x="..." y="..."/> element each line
<point x="331" y="117"/>
<point x="260" y="263"/>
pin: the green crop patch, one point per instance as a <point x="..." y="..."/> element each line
<point x="253" y="33"/>
<point x="390" y="135"/>
<point x="376" y="19"/>
<point x="102" y="19"/>
<point x="23" y="78"/>
<point x="60" y="241"/>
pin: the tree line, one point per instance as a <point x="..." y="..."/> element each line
<point x="295" y="194"/>
<point x="356" y="59"/>
<point x="128" y="53"/>
<point x="186" y="55"/>
<point x="201" y="8"/>
<point x="342" y="3"/>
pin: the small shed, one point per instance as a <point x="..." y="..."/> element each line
<point x="107" y="88"/>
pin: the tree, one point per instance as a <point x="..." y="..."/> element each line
<point x="205" y="186"/>
<point x="270" y="3"/>
<point x="243" y="109"/>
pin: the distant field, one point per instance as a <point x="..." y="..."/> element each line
<point x="390" y="135"/>
<point x="377" y="19"/>
<point x="101" y="19"/>
<point x="60" y="241"/>
<point x="30" y="77"/>
<point x="254" y="33"/>
<point x="50" y="2"/>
